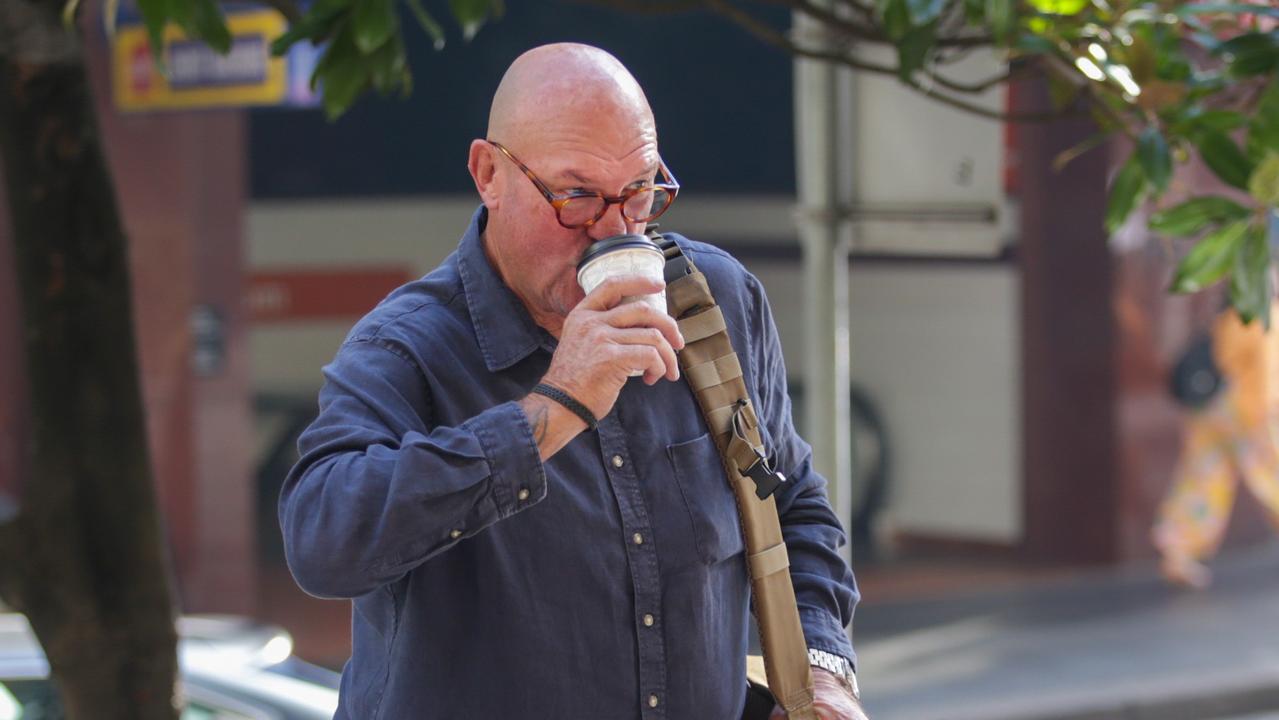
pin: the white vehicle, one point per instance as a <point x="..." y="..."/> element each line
<point x="231" y="668"/>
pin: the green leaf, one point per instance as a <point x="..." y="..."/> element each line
<point x="1195" y="214"/>
<point x="1250" y="281"/>
<point x="1125" y="192"/>
<point x="1210" y="259"/>
<point x="1206" y="40"/>
<point x="375" y="23"/>
<point x="1231" y="8"/>
<point x="1060" y="7"/>
<point x="1156" y="161"/>
<point x="923" y="12"/>
<point x="342" y="72"/>
<point x="207" y="24"/>
<point x="1264" y="183"/>
<point x="1225" y="158"/>
<point x="387" y="67"/>
<point x="470" y="14"/>
<point x="974" y="11"/>
<point x="1035" y="45"/>
<point x="296" y="32"/>
<point x="1000" y="18"/>
<point x="324" y="19"/>
<point x="428" y="23"/>
<point x="896" y="20"/>
<point x="155" y="15"/>
<point x="1250" y="54"/>
<point x="1062" y="92"/>
<point x="913" y="50"/>
<point x="1141" y="59"/>
<point x="1199" y="119"/>
<point x="1263" y="131"/>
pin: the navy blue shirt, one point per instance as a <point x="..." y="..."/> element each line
<point x="608" y="582"/>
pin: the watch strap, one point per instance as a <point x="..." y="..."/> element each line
<point x="837" y="665"/>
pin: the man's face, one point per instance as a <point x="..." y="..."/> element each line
<point x="535" y="254"/>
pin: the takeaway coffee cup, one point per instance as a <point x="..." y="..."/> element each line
<point x="621" y="255"/>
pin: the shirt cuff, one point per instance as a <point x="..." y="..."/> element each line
<point x="823" y="632"/>
<point x="516" y="475"/>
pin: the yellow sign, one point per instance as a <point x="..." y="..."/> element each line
<point x="197" y="76"/>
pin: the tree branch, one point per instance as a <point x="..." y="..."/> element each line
<point x="777" y="39"/>
<point x="649" y="7"/>
<point x="980" y="86"/>
<point x="833" y="20"/>
<point x="1066" y="71"/>
<point x="866" y="11"/>
<point x="986" y="112"/>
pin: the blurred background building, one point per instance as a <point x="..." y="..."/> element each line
<point x="1009" y="359"/>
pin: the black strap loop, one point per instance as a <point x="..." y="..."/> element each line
<point x="569" y="402"/>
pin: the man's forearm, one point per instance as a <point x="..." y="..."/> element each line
<point x="554" y="425"/>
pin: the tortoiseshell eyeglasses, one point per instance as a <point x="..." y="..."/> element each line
<point x="582" y="208"/>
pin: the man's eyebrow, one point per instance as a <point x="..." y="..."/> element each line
<point x="575" y="177"/>
<point x="587" y="182"/>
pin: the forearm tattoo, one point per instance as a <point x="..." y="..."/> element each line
<point x="538" y="419"/>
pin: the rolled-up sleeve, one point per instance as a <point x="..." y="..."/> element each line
<point x="379" y="488"/>
<point x="824" y="586"/>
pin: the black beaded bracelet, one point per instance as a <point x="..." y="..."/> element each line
<point x="567" y="401"/>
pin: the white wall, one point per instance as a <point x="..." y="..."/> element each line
<point x="937" y="348"/>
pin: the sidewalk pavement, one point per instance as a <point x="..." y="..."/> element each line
<point x="1100" y="645"/>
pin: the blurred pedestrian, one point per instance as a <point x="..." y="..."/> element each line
<point x="1232" y="436"/>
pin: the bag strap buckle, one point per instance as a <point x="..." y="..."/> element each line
<point x="764" y="470"/>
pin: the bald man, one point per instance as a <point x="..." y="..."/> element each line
<point x="571" y="553"/>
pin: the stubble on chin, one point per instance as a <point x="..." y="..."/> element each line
<point x="557" y="302"/>
<point x="563" y="301"/>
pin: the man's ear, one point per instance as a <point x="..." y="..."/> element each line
<point x="481" y="163"/>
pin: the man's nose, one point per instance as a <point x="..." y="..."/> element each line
<point x="611" y="223"/>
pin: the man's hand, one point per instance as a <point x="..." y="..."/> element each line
<point x="602" y="342"/>
<point x="833" y="700"/>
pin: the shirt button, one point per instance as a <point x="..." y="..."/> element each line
<point x="652" y="701"/>
<point x="618" y="461"/>
<point x="637" y="539"/>
<point x="648" y="621"/>
<point x="523" y="494"/>
<point x="455" y="534"/>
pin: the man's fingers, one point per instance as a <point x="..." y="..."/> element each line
<point x="610" y="292"/>
<point x="654" y="338"/>
<point x="639" y="314"/>
<point x="644" y="358"/>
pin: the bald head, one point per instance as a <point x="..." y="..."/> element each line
<point x="565" y="82"/>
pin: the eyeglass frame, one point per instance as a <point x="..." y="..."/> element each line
<point x="559" y="200"/>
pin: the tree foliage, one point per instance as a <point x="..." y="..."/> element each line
<point x="1175" y="79"/>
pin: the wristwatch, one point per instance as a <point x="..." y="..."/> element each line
<point x="837" y="665"/>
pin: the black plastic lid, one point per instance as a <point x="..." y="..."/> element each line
<point x="617" y="242"/>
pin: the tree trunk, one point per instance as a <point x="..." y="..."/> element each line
<point x="84" y="558"/>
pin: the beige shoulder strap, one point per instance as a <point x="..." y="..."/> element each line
<point x="715" y="375"/>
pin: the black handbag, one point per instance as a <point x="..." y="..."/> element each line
<point x="759" y="703"/>
<point x="1196" y="379"/>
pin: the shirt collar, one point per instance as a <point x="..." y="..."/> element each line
<point x="505" y="330"/>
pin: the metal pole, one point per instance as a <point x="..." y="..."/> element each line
<point x="823" y="127"/>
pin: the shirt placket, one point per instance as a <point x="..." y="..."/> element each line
<point x="641" y="555"/>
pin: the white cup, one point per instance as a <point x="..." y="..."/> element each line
<point x="622" y="255"/>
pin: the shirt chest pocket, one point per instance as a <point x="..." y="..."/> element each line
<point x="706" y="498"/>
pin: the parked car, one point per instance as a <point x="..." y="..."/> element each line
<point x="231" y="668"/>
